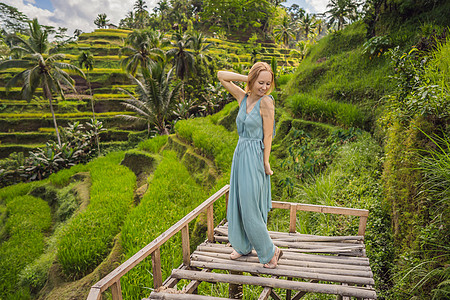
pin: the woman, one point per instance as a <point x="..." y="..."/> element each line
<point x="250" y="196"/>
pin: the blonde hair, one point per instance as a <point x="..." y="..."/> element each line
<point x="256" y="69"/>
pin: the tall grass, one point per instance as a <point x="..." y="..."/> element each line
<point x="154" y="144"/>
<point x="213" y="140"/>
<point x="28" y="219"/>
<point x="313" y="108"/>
<point x="86" y="240"/>
<point x="168" y="199"/>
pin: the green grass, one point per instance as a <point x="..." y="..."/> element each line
<point x="154" y="144"/>
<point x="168" y="199"/>
<point x="88" y="237"/>
<point x="213" y="140"/>
<point x="28" y="219"/>
<point x="310" y="107"/>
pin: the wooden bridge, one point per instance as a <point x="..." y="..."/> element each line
<point x="326" y="264"/>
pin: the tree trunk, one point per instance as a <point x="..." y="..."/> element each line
<point x="93" y="113"/>
<point x="54" y="119"/>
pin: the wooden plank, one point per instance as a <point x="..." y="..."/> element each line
<point x="258" y="268"/>
<point x="167" y="296"/>
<point x="292" y="218"/>
<point x="156" y="269"/>
<point x="171" y="282"/>
<point x="267" y="291"/>
<point x="322" y="208"/>
<point x="359" y="261"/>
<point x="185" y="245"/>
<point x="297" y="237"/>
<point x="276" y="283"/>
<point x="300" y="294"/>
<point x="117" y="273"/>
<point x="210" y="222"/>
<point x="192" y="286"/>
<point x="289" y="262"/>
<point x="283" y="265"/>
<point x="116" y="291"/>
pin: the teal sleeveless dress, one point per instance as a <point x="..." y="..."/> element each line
<point x="250" y="195"/>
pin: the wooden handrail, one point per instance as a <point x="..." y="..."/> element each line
<point x="113" y="279"/>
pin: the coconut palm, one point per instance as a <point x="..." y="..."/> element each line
<point x="284" y="32"/>
<point x="200" y="47"/>
<point x="157" y="95"/>
<point x="141" y="13"/>
<point x="182" y="57"/>
<point x="340" y="11"/>
<point x="42" y="69"/>
<point x="141" y="48"/>
<point x="307" y="23"/>
<point x="101" y="20"/>
<point x="86" y="60"/>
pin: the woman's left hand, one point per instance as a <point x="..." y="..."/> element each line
<point x="267" y="169"/>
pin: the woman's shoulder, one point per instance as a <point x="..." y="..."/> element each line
<point x="267" y="101"/>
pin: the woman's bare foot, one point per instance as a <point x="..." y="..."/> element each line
<point x="235" y="255"/>
<point x="272" y="264"/>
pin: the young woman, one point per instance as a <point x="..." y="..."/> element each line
<point x="250" y="196"/>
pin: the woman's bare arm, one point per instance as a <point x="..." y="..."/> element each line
<point x="267" y="110"/>
<point x="227" y="78"/>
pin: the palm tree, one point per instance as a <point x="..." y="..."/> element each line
<point x="41" y="68"/>
<point x="157" y="95"/>
<point x="142" y="47"/>
<point x="183" y="59"/>
<point x="101" y="21"/>
<point x="141" y="13"/>
<point x="307" y="23"/>
<point x="340" y="11"/>
<point x="86" y="60"/>
<point x="284" y="32"/>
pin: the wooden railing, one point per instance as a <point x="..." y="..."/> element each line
<point x="113" y="279"/>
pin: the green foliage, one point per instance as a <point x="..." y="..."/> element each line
<point x="314" y="108"/>
<point x="376" y="45"/>
<point x="86" y="240"/>
<point x="61" y="178"/>
<point x="28" y="219"/>
<point x="213" y="140"/>
<point x="154" y="144"/>
<point x="168" y="199"/>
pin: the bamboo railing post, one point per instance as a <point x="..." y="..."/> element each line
<point x="292" y="218"/>
<point x="362" y="225"/>
<point x="116" y="290"/>
<point x="227" y="194"/>
<point x="210" y="222"/>
<point x="185" y="245"/>
<point x="156" y="265"/>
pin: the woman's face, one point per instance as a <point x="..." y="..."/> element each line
<point x="262" y="84"/>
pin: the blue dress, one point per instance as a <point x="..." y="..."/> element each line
<point x="250" y="195"/>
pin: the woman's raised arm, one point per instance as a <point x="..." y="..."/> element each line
<point x="227" y="78"/>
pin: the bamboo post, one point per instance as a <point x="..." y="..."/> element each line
<point x="210" y="221"/>
<point x="156" y="266"/>
<point x="116" y="290"/>
<point x="185" y="245"/>
<point x="227" y="194"/>
<point x="235" y="290"/>
<point x="292" y="218"/>
<point x="362" y="225"/>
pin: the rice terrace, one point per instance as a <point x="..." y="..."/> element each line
<point x="119" y="145"/>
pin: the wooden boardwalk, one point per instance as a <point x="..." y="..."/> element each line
<point x="310" y="263"/>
